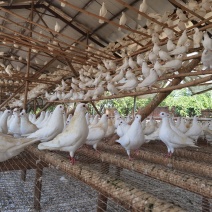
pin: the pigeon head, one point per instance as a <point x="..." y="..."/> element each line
<point x="138" y="117"/>
<point x="81" y="107"/>
<point x="8" y="111"/>
<point x="163" y="114"/>
<point x="60" y="107"/>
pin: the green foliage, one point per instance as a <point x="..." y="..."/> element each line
<point x="123" y="105"/>
<point x="187" y="105"/>
<point x="182" y="101"/>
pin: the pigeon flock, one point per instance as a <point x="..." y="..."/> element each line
<point x="59" y="131"/>
<point x="168" y="42"/>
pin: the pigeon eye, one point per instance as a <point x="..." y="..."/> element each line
<point x="83" y="105"/>
<point x="60" y="106"/>
<point x="162" y="114"/>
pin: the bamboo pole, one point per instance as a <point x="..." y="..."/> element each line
<point x="186" y="9"/>
<point x="141" y="13"/>
<point x="28" y="61"/>
<point x="199" y="185"/>
<point x="51" y="30"/>
<point x="123" y="193"/>
<point x="94" y="106"/>
<point x="201" y="169"/>
<point x="22" y="86"/>
<point x="102" y="18"/>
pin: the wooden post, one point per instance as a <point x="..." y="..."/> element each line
<point x="102" y="199"/>
<point x="161" y="96"/>
<point x="38" y="186"/>
<point x="134" y="106"/>
<point x="28" y="59"/>
<point x="96" y="108"/>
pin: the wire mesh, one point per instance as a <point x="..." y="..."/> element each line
<point x="46" y="188"/>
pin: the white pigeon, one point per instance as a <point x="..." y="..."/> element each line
<point x="110" y="128"/>
<point x="14" y="126"/>
<point x="180" y="49"/>
<point x="150" y="127"/>
<point x="52" y="128"/>
<point x="3" y="121"/>
<point x="97" y="132"/>
<point x="139" y="59"/>
<point x="130" y="84"/>
<point x="197" y="37"/>
<point x="182" y="126"/>
<point x="40" y="118"/>
<point x="152" y="57"/>
<point x="8" y="70"/>
<point x="145" y="69"/>
<point x="181" y="25"/>
<point x="118" y="76"/>
<point x="111" y="88"/>
<point x="207" y="41"/>
<point x="133" y="138"/>
<point x="173" y="65"/>
<point x="156" y="48"/>
<point x="102" y="12"/>
<point x="181" y="15"/>
<point x="122" y="127"/>
<point x="149" y="80"/>
<point x="117" y="118"/>
<point x="195" y="130"/>
<point x="172" y="137"/>
<point x="206" y="58"/>
<point x="57" y="27"/>
<point x="112" y="65"/>
<point x="157" y="67"/>
<point x="124" y="66"/>
<point x="169" y="33"/>
<point x="99" y="91"/>
<point x="94" y="121"/>
<point x="11" y="147"/>
<point x="73" y="137"/>
<point x="26" y="127"/>
<point x="44" y="121"/>
<point x="170" y="45"/>
<point x="142" y="8"/>
<point x="183" y="38"/>
<point x="132" y="63"/>
<point x="122" y="20"/>
<point x="68" y="95"/>
<point x="68" y="120"/>
<point x="164" y="55"/>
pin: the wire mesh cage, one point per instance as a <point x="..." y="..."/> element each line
<point x="107" y="181"/>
